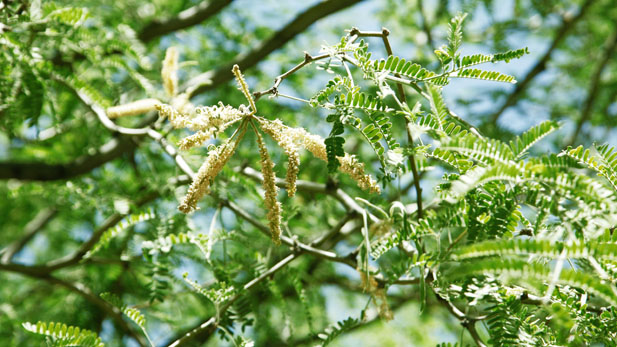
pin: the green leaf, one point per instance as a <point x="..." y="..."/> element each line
<point x="485" y="75"/>
<point x="403" y="67"/>
<point x="604" y="162"/>
<point x="337" y="329"/>
<point x="126" y="223"/>
<point x="522" y="143"/>
<point x="65" y="335"/>
<point x="522" y="269"/>
<point x="455" y="34"/>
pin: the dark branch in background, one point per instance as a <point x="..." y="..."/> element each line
<point x="187" y="18"/>
<point x="32" y="228"/>
<point x="82" y="291"/>
<point x="212" y="79"/>
<point x="41" y="171"/>
<point x="425" y="26"/>
<point x="592" y="94"/>
<point x="541" y="64"/>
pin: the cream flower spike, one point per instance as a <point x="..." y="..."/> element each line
<point x="211" y="167"/>
<point x="209" y="121"/>
<point x="132" y="108"/>
<point x="290" y="139"/>
<point x="169" y="71"/>
<point x="272" y="205"/>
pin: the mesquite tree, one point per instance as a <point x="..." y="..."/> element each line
<point x="194" y="212"/>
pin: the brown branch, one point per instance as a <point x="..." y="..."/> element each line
<point x="187" y="18"/>
<point x="467" y="322"/>
<point x="212" y="79"/>
<point x="540" y="66"/>
<point x="41" y="171"/>
<point x="592" y="94"/>
<point x="277" y="81"/>
<point x="32" y="228"/>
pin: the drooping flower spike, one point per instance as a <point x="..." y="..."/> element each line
<point x="209" y="121"/>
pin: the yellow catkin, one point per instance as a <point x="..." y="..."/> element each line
<point x="133" y="108"/>
<point x="206" y="117"/>
<point x="286" y="138"/>
<point x="271" y="191"/>
<point x="211" y="167"/>
<point x="195" y="140"/>
<point x="169" y="71"/>
<point x="315" y="144"/>
<point x="207" y="121"/>
<point x="244" y="87"/>
<point x="351" y="166"/>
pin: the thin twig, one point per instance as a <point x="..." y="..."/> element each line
<point x="279" y="79"/>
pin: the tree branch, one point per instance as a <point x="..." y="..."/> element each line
<point x="41" y="171"/>
<point x="32" y="228"/>
<point x="80" y="290"/>
<point x="521" y="86"/>
<point x="212" y="79"/>
<point x="187" y="18"/>
<point x="592" y="94"/>
<point x="425" y="26"/>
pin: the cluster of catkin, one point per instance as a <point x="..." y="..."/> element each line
<point x="209" y="121"/>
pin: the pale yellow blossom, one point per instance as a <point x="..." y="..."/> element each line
<point x="211" y="167"/>
<point x="271" y="191"/>
<point x="169" y="71"/>
<point x="133" y="108"/>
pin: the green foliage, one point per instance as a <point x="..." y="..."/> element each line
<point x="604" y="162"/>
<point x="472" y="220"/>
<point x="64" y="335"/>
<point x="335" y="330"/>
<point x="402" y="67"/>
<point x="534" y="272"/>
<point x="132" y="313"/>
<point x="522" y="143"/>
<point x="114" y="231"/>
<point x="216" y="296"/>
<point x="455" y="34"/>
<point x="485" y="75"/>
<point x="334" y="142"/>
<point x="476" y="59"/>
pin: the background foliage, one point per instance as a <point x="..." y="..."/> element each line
<point x="513" y="245"/>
